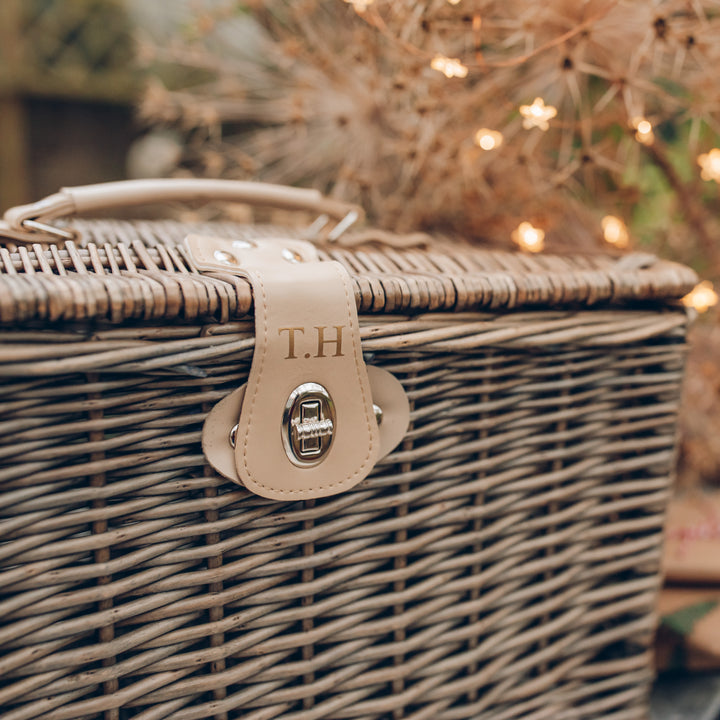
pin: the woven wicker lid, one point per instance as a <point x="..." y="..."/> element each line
<point x="123" y="270"/>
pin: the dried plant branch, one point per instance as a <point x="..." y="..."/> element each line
<point x="314" y="93"/>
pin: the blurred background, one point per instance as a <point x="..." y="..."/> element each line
<point x="583" y="125"/>
<point x="69" y="81"/>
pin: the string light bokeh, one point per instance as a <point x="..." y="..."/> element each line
<point x="528" y="237"/>
<point x="464" y="117"/>
<point x="622" y="152"/>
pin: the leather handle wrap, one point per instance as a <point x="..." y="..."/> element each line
<point x="126" y="193"/>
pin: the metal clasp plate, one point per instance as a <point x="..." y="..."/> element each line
<point x="308" y="424"/>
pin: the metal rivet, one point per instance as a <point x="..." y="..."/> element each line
<point x="233" y="435"/>
<point x="378" y="414"/>
<point x="292" y="255"/>
<point x="225" y="257"/>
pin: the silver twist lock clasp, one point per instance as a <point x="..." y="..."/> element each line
<point x="307" y="431"/>
<point x="308" y="424"/>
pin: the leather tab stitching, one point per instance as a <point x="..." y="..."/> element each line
<point x="261" y="314"/>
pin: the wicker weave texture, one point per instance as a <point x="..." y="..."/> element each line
<point x="139" y="270"/>
<point x="502" y="563"/>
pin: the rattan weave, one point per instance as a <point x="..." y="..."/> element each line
<point x="501" y="563"/>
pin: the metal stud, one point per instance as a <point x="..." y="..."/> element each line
<point x="292" y="255"/>
<point x="225" y="257"/>
<point x="378" y="414"/>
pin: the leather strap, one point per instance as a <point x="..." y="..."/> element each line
<point x="306" y="335"/>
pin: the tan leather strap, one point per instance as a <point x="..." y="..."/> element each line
<point x="307" y="427"/>
<point x="389" y="400"/>
<point x="34" y="221"/>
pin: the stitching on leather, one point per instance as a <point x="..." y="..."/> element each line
<point x="256" y="277"/>
<point x="357" y="353"/>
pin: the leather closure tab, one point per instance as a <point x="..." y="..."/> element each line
<point x="220" y="429"/>
<point x="307" y="426"/>
<point x="210" y="253"/>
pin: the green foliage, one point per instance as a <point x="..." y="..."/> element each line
<point x="654" y="214"/>
<point x="683" y="621"/>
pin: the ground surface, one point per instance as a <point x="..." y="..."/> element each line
<point x="686" y="697"/>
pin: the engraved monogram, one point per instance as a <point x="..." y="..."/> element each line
<point x="324" y="338"/>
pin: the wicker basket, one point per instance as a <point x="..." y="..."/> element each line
<point x="502" y="562"/>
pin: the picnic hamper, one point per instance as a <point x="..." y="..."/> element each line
<point x="502" y="561"/>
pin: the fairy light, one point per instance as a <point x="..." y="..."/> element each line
<point x="615" y="231"/>
<point x="710" y="164"/>
<point x="488" y="139"/>
<point x="528" y="237"/>
<point x="360" y="6"/>
<point x="449" y="67"/>
<point x="537" y="114"/>
<point x="702" y="297"/>
<point x="643" y="130"/>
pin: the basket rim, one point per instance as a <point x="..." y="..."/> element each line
<point x="126" y="269"/>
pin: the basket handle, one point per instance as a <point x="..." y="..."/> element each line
<point x="31" y="223"/>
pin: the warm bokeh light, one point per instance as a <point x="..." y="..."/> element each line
<point x="454" y="2"/>
<point x="488" y="139"/>
<point x="529" y="237"/>
<point x="710" y="165"/>
<point x="702" y="297"/>
<point x="643" y="131"/>
<point x="615" y="231"/>
<point x="360" y="5"/>
<point x="537" y="114"/>
<point x="449" y="67"/>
